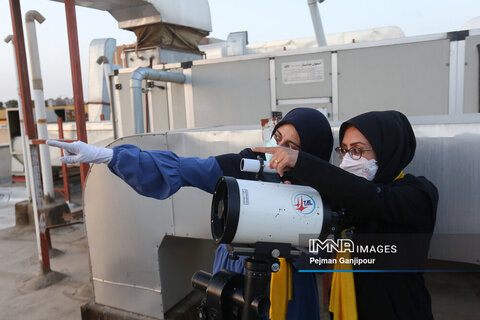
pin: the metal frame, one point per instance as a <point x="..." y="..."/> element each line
<point x="273" y="85"/>
<point x="349" y="46"/>
<point x="334" y="86"/>
<point x="171" y="121"/>
<point x="189" y="108"/>
<point x="456" y="77"/>
<point x="460" y="77"/>
<point x="303" y="101"/>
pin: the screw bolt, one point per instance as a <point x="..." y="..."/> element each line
<point x="275" y="253"/>
<point x="275" y="267"/>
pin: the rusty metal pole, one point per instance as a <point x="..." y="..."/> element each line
<point x="77" y="80"/>
<point x="32" y="150"/>
<point x="66" y="188"/>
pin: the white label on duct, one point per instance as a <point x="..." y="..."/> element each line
<point x="303" y="71"/>
<point x="245" y="199"/>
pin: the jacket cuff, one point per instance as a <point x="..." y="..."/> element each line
<point x="112" y="164"/>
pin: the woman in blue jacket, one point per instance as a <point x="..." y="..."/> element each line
<point x="159" y="174"/>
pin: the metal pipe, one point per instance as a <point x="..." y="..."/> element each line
<point x="32" y="151"/>
<point x="39" y="99"/>
<point x="136" y="81"/>
<point x="56" y="226"/>
<point x="26" y="167"/>
<point x="317" y="22"/>
<point x="107" y="69"/>
<point x="478" y="84"/>
<point x="22" y="69"/>
<point x="79" y="103"/>
<point x="66" y="187"/>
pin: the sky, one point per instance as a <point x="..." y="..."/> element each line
<point x="265" y="20"/>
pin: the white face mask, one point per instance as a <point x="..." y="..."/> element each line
<point x="271" y="143"/>
<point x="361" y="167"/>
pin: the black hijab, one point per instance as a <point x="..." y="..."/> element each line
<point x="313" y="129"/>
<point x="392" y="139"/>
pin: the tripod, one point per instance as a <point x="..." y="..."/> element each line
<point x="231" y="296"/>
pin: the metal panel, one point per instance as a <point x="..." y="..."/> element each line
<point x="124" y="232"/>
<point x="444" y="157"/>
<point x="5" y="163"/>
<point x="235" y="93"/>
<point x="178" y="106"/>
<point x="124" y="112"/>
<point x="315" y="89"/>
<point x="134" y="266"/>
<point x="192" y="218"/>
<point x="158" y="107"/>
<point x="130" y="13"/>
<point x="145" y="57"/>
<point x="472" y="71"/>
<point x="411" y="77"/>
<point x="175" y="257"/>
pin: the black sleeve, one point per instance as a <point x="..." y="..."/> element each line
<point x="230" y="163"/>
<point x="411" y="202"/>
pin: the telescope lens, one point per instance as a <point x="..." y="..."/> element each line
<point x="225" y="210"/>
<point x="220" y="209"/>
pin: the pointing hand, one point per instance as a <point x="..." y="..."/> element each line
<point x="79" y="151"/>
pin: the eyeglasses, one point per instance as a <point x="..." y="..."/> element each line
<point x="289" y="144"/>
<point x="355" y="153"/>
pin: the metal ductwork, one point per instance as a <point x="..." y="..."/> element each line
<point x="179" y="24"/>
<point x="136" y="81"/>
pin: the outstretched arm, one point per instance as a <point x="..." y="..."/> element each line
<point x="152" y="173"/>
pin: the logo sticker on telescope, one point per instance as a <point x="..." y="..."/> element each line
<point x="304" y="204"/>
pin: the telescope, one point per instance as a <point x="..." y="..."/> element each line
<point x="246" y="212"/>
<point x="264" y="221"/>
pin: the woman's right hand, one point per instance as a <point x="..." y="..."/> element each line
<point x="79" y="151"/>
<point x="283" y="158"/>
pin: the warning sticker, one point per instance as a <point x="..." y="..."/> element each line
<point x="303" y="71"/>
<point x="245" y="199"/>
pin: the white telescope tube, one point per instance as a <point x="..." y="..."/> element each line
<point x="253" y="165"/>
<point x="246" y="212"/>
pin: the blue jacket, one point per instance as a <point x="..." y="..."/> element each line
<point x="159" y="174"/>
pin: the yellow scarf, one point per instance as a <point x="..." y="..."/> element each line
<point x="400" y="176"/>
<point x="280" y="290"/>
<point x="343" y="302"/>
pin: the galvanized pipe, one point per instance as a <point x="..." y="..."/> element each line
<point x="136" y="81"/>
<point x="317" y="22"/>
<point x="32" y="150"/>
<point x="39" y="98"/>
<point x="26" y="167"/>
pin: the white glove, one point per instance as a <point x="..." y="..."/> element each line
<point x="79" y="151"/>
